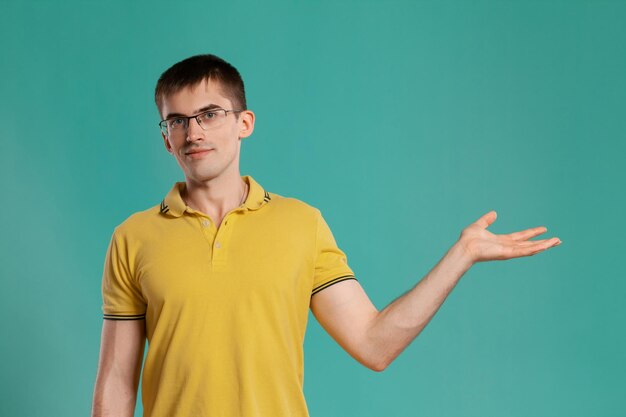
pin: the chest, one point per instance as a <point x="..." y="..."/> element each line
<point x="197" y="263"/>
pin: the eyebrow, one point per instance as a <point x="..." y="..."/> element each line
<point x="203" y="109"/>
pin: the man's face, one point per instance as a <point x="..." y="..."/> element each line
<point x="221" y="144"/>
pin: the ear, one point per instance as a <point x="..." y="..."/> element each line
<point x="168" y="147"/>
<point x="246" y="123"/>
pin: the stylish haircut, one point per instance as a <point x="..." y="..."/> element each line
<point x="193" y="70"/>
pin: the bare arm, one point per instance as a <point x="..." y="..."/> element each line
<point x="375" y="338"/>
<point x="119" y="368"/>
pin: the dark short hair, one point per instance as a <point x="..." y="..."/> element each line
<point x="193" y="70"/>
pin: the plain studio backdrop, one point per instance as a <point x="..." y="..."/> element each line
<point x="402" y="121"/>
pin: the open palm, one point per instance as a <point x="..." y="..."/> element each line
<point x="482" y="245"/>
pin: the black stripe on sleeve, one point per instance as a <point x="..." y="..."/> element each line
<point x="332" y="282"/>
<point x="124" y="316"/>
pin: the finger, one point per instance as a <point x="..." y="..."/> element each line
<point x="487" y="219"/>
<point x="550" y="242"/>
<point x="532" y="248"/>
<point x="528" y="233"/>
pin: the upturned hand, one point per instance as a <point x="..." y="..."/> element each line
<point x="481" y="245"/>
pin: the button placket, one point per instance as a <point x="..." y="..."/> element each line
<point x="207" y="229"/>
<point x="220" y="253"/>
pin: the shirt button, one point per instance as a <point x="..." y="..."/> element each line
<point x="205" y="222"/>
<point x="218" y="245"/>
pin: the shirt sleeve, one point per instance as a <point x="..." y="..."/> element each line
<point x="331" y="263"/>
<point x="121" y="296"/>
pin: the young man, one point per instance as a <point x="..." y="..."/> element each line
<point x="220" y="275"/>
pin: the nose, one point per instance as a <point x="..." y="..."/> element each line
<point x="194" y="131"/>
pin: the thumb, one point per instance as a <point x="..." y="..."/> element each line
<point x="487" y="219"/>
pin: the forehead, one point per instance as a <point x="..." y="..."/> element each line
<point x="191" y="99"/>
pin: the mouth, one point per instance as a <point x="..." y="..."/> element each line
<point x="198" y="153"/>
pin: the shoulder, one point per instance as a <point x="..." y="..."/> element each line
<point x="293" y="213"/>
<point x="138" y="222"/>
<point x="294" y="205"/>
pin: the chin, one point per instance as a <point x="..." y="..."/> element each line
<point x="202" y="176"/>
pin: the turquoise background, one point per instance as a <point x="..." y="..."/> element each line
<point x="402" y="121"/>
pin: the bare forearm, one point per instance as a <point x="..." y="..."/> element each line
<point x="395" y="327"/>
<point x="113" y="400"/>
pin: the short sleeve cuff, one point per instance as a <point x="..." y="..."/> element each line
<point x="332" y="281"/>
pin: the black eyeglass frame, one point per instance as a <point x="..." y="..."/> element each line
<point x="163" y="123"/>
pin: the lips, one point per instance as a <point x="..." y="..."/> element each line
<point x="198" y="154"/>
<point x="198" y="151"/>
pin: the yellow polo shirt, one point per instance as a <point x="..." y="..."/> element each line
<point x="225" y="309"/>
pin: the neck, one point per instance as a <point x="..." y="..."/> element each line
<point x="217" y="196"/>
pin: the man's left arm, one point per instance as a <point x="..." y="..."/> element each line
<point x="375" y="338"/>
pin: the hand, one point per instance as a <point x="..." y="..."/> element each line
<point x="481" y="245"/>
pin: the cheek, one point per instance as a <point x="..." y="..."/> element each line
<point x="176" y="148"/>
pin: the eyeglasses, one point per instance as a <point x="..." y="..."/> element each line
<point x="210" y="119"/>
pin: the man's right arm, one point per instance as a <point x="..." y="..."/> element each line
<point x="119" y="368"/>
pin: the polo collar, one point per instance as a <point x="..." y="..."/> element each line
<point x="174" y="205"/>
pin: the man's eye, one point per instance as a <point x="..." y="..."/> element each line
<point x="177" y="122"/>
<point x="208" y="115"/>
